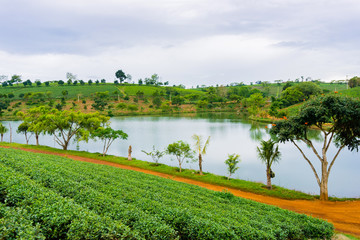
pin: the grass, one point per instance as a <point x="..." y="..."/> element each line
<point x="243" y="185"/>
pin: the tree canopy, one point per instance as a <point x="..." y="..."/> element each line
<point x="337" y="118"/>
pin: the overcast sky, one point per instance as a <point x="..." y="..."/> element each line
<point x="190" y="42"/>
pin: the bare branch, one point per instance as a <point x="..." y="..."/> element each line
<point x="336" y="155"/>
<point x="311" y="165"/>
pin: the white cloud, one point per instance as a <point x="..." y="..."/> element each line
<point x="191" y="42"/>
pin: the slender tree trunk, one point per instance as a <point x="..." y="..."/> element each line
<point x="324" y="182"/>
<point x="2" y="137"/>
<point x="10" y="132"/>
<point x="179" y="166"/>
<point x="37" y="139"/>
<point x="200" y="164"/>
<point x="129" y="153"/>
<point x="268" y="177"/>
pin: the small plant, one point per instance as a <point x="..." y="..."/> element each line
<point x="232" y="162"/>
<point x="155" y="155"/>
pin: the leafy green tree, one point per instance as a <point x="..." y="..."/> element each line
<point x="47" y="83"/>
<point x="255" y="101"/>
<point x="90" y="82"/>
<point x="108" y="135"/>
<point x="269" y="154"/>
<point x="60" y="82"/>
<point x="38" y="83"/>
<point x="120" y="75"/>
<point x="15" y="79"/>
<point x="181" y="150"/>
<point x="200" y="148"/>
<point x="157" y="101"/>
<point x="65" y="125"/>
<point x="292" y="96"/>
<point x="232" y="161"/>
<point x="24" y="128"/>
<point x="3" y="130"/>
<point x="35" y="119"/>
<point x="354" y="82"/>
<point x="155" y="154"/>
<point x="342" y="113"/>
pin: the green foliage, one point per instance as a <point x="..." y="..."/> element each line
<point x="268" y="154"/>
<point x="181" y="150"/>
<point x="65" y="125"/>
<point x="232" y="161"/>
<point x="133" y="107"/>
<point x="155" y="154"/>
<point x="120" y="75"/>
<point x="108" y="136"/>
<point x="354" y="82"/>
<point x="343" y="113"/>
<point x="58" y="193"/>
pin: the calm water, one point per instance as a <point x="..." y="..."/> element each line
<point x="229" y="134"/>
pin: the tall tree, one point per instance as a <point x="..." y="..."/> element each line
<point x="35" y="119"/>
<point x="65" y="125"/>
<point x="200" y="149"/>
<point x="342" y="113"/>
<point x="181" y="150"/>
<point x="120" y="75"/>
<point x="24" y="128"/>
<point x="108" y="136"/>
<point x="3" y="130"/>
<point x="269" y="153"/>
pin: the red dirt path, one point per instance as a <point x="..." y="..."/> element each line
<point x="344" y="215"/>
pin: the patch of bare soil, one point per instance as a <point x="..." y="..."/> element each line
<point x="344" y="215"/>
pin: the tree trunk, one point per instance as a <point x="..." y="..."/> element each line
<point x="10" y="133"/>
<point x="65" y="146"/>
<point x="180" y="166"/>
<point x="129" y="153"/>
<point x="268" y="177"/>
<point x="2" y="137"/>
<point x="324" y="182"/>
<point x="200" y="164"/>
<point x="37" y="139"/>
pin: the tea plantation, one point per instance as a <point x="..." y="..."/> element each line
<point x="50" y="197"/>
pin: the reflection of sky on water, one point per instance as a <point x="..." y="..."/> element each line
<point x="227" y="136"/>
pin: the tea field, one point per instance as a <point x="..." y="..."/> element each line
<point x="51" y="197"/>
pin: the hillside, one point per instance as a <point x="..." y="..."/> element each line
<point x="54" y="197"/>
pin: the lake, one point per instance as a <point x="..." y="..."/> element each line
<point x="229" y="134"/>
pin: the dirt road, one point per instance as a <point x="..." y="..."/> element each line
<point x="344" y="215"/>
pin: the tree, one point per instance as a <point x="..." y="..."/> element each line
<point x="108" y="135"/>
<point x="90" y="82"/>
<point x="200" y="148"/>
<point x="155" y="155"/>
<point x="3" y="130"/>
<point x="232" y="163"/>
<point x="35" y="119"/>
<point x="24" y="128"/>
<point x="38" y="83"/>
<point x="255" y="101"/>
<point x="181" y="150"/>
<point x="15" y="79"/>
<point x="269" y="154"/>
<point x="61" y="82"/>
<point x="343" y="113"/>
<point x="65" y="125"/>
<point x="354" y="82"/>
<point x="120" y="75"/>
<point x="70" y="76"/>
